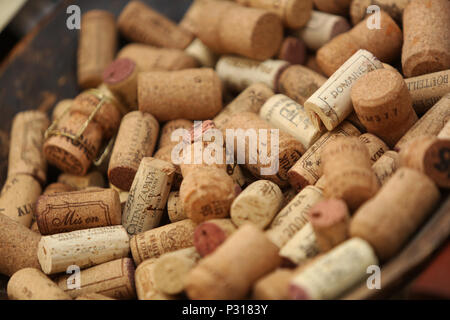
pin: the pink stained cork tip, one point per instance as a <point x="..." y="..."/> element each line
<point x="298" y="293"/>
<point x="118" y="71"/>
<point x="328" y="212"/>
<point x="207" y="237"/>
<point x="293" y="50"/>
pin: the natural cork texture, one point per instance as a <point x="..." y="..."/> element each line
<point x="18" y="198"/>
<point x="113" y="279"/>
<point x="19" y="246"/>
<point x="257" y="204"/>
<point x="169" y="128"/>
<point x="27" y="139"/>
<point x="395" y="8"/>
<point x="375" y="146"/>
<point x="136" y="139"/>
<point x="140" y="23"/>
<point x="84" y="248"/>
<point x="96" y="48"/>
<point x="32" y="284"/>
<point x="175" y="208"/>
<point x="386" y="166"/>
<point x="92" y="179"/>
<point x="58" y="187"/>
<point x="61" y="108"/>
<point x="339" y="7"/>
<point x="209" y="235"/>
<point x="384" y="43"/>
<point x="121" y="79"/>
<point x="306" y="170"/>
<point x="70" y="211"/>
<point x="273" y="286"/>
<point x="383" y="104"/>
<point x="148" y="195"/>
<point x="153" y="243"/>
<point x="301" y="247"/>
<point x="226" y="274"/>
<point x="193" y="94"/>
<point x="299" y="83"/>
<point x="426" y="47"/>
<point x="294" y="216"/>
<point x="145" y="286"/>
<point x="293" y="50"/>
<point x="348" y="170"/>
<point x="397" y="210"/>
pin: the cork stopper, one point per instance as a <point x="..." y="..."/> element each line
<point x="169" y="127"/>
<point x="293" y="50"/>
<point x="121" y="78"/>
<point x="339" y="7"/>
<point x="57" y="187"/>
<point x="395" y="8"/>
<point x="397" y="210"/>
<point x="383" y="104"/>
<point x="273" y="286"/>
<point x="97" y="46"/>
<point x="92" y="179"/>
<point x="61" y="108"/>
<point x="209" y="235"/>
<point x="201" y="53"/>
<point x="302" y="247"/>
<point x="175" y="207"/>
<point x="145" y="287"/>
<point x="140" y="23"/>
<point x="386" y="166"/>
<point x="375" y="146"/>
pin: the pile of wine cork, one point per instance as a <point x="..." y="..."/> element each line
<point x="254" y="150"/>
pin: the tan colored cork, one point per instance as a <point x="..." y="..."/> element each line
<point x="148" y="195"/>
<point x="165" y="139"/>
<point x="175" y="208"/>
<point x="330" y="220"/>
<point x="383" y="104"/>
<point x="136" y="139"/>
<point x="299" y="83"/>
<point x="426" y="45"/>
<point x="234" y="267"/>
<point x="257" y="204"/>
<point x="61" y="108"/>
<point x="390" y="218"/>
<point x="273" y="286"/>
<point x="19" y="246"/>
<point x="301" y="247"/>
<point x="96" y="48"/>
<point x="32" y="284"/>
<point x="193" y="94"/>
<point x="445" y="132"/>
<point x="395" y="8"/>
<point x="18" y="198"/>
<point x="58" y="187"/>
<point x="155" y="242"/>
<point x="386" y="166"/>
<point x="84" y="248"/>
<point x="140" y="23"/>
<point x="339" y="7"/>
<point x="209" y="235"/>
<point x="375" y="146"/>
<point x="121" y="79"/>
<point x="92" y="179"/>
<point x="27" y="138"/>
<point x="145" y="286"/>
<point x="287" y="115"/>
<point x="306" y="170"/>
<point x="113" y="279"/>
<point x="78" y="210"/>
<point x="201" y="53"/>
<point x="170" y="271"/>
<point x="294" y="216"/>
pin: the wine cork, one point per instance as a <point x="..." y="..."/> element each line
<point x="61" y="109"/>
<point x="27" y="138"/>
<point x="234" y="267"/>
<point x="389" y="219"/>
<point x="273" y="286"/>
<point x="145" y="286"/>
<point x="78" y="210"/>
<point x="113" y="279"/>
<point x="354" y="120"/>
<point x="153" y="243"/>
<point x="299" y="83"/>
<point x="19" y="246"/>
<point x="445" y="132"/>
<point x="386" y="166"/>
<point x="395" y="8"/>
<point x="94" y="296"/>
<point x="301" y="247"/>
<point x="148" y="195"/>
<point x="321" y="183"/>
<point x="228" y="28"/>
<point x="237" y="73"/>
<point x="330" y="220"/>
<point x="289" y="116"/>
<point x="293" y="50"/>
<point x="290" y="150"/>
<point x="257" y="204"/>
<point x="58" y="187"/>
<point x="135" y="140"/>
<point x="332" y="274"/>
<point x="294" y="216"/>
<point x="84" y="248"/>
<point x="209" y="235"/>
<point x="293" y="13"/>
<point x="32" y="284"/>
<point x="96" y="48"/>
<point x="384" y="42"/>
<point x="339" y="7"/>
<point x="18" y="198"/>
<point x="148" y="58"/>
<point x="321" y="28"/>
<point x="140" y="23"/>
<point x="250" y="100"/>
<point x="426" y="45"/>
<point x="383" y="104"/>
<point x="193" y="94"/>
<point x="171" y="270"/>
<point x="375" y="146"/>
<point x="175" y="207"/>
<point x="169" y="128"/>
<point x="428" y="89"/>
<point x="306" y="170"/>
<point x="201" y="53"/>
<point x="121" y="78"/>
<point x="348" y="170"/>
<point x="429" y="155"/>
<point x="331" y="104"/>
<point x="92" y="179"/>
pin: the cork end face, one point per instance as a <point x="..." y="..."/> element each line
<point x="57" y="153"/>
<point x="328" y="212"/>
<point x="122" y="177"/>
<point x="267" y="37"/>
<point x="297" y="181"/>
<point x="339" y="27"/>
<point x="207" y="237"/>
<point x="436" y="161"/>
<point x="297" y="13"/>
<point x="425" y="62"/>
<point x="119" y="71"/>
<point x="293" y="50"/>
<point x="44" y="257"/>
